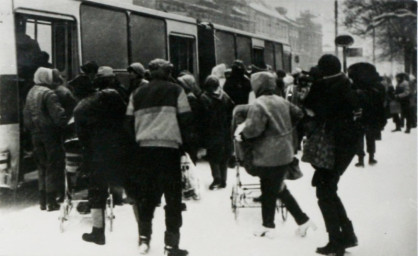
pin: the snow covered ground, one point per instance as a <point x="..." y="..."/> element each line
<point x="381" y="201"/>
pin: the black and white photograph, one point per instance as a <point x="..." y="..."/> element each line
<point x="208" y="128"/>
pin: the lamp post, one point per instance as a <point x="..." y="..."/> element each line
<point x="344" y="41"/>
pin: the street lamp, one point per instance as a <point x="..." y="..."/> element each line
<point x="344" y="41"/>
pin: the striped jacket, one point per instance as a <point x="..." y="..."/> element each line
<point x="162" y="115"/>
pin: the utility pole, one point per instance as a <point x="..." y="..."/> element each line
<point x="336" y="24"/>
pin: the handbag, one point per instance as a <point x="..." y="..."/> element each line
<point x="319" y="148"/>
<point x="190" y="181"/>
<point x="293" y="170"/>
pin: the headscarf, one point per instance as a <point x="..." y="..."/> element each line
<point x="263" y="83"/>
<point x="212" y="86"/>
<point x="43" y="76"/>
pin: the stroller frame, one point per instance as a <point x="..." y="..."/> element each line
<point x="69" y="203"/>
<point x="242" y="195"/>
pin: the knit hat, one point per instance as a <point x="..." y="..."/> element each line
<point x="105" y="71"/>
<point x="188" y="82"/>
<point x="137" y="68"/>
<point x="329" y="65"/>
<point x="90" y="67"/>
<point x="160" y="68"/>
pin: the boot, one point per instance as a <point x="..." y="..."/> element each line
<point x="408" y="130"/>
<point x="96" y="236"/>
<point x="52" y="204"/>
<point x="144" y="245"/>
<point x="303" y="229"/>
<point x="42" y="199"/>
<point x="360" y="162"/>
<point x="372" y="161"/>
<point x="172" y="241"/>
<point x="216" y="184"/>
<point x="334" y="246"/>
<point x="348" y="235"/>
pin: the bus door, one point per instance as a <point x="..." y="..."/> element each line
<point x="258" y="52"/>
<point x="207" y="59"/>
<point x="182" y="47"/>
<point x="42" y="40"/>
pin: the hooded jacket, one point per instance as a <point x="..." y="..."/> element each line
<point x="217" y="115"/>
<point x="43" y="114"/>
<point x="269" y="124"/>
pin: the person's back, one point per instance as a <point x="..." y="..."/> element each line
<point x="161" y="112"/>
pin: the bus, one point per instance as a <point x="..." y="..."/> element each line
<point x="69" y="32"/>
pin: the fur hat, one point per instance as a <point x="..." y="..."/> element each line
<point x="329" y="65"/>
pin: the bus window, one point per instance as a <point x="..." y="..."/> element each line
<point x="104" y="36"/>
<point x="148" y="39"/>
<point x="225" y="48"/>
<point x="182" y="55"/>
<point x="269" y="54"/>
<point x="244" y="49"/>
<point x="258" y="57"/>
<point x="278" y="53"/>
<point x="206" y="45"/>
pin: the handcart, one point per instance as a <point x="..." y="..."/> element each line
<point x="75" y="185"/>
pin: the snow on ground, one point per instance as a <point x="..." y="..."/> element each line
<point x="381" y="201"/>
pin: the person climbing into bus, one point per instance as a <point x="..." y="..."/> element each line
<point x="45" y="117"/>
<point x="82" y="85"/>
<point x="106" y="79"/>
<point x="238" y="86"/>
<point x="136" y="76"/>
<point x="161" y="116"/>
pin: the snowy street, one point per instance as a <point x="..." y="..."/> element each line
<point x="381" y="201"/>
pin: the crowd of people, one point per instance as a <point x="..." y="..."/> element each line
<point x="133" y="136"/>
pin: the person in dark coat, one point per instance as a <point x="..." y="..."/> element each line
<point x="237" y="85"/>
<point x="106" y="79"/>
<point x="45" y="118"/>
<point x="216" y="125"/>
<point x="82" y="85"/>
<point x="269" y="129"/>
<point x="371" y="92"/>
<point x="193" y="92"/>
<point x="136" y="76"/>
<point x="402" y="95"/>
<point x="333" y="103"/>
<point x="99" y="126"/>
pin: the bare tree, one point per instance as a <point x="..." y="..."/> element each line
<point x="393" y="23"/>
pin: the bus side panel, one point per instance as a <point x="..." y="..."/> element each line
<point x="9" y="100"/>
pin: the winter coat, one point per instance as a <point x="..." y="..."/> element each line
<point x="81" y="86"/>
<point x="216" y="123"/>
<point x="238" y="89"/>
<point x="269" y="124"/>
<point x="402" y="93"/>
<point x="106" y="146"/>
<point x="162" y="115"/>
<point x="333" y="101"/>
<point x="67" y="100"/>
<point x="43" y="113"/>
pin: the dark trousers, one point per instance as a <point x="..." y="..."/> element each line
<point x="50" y="160"/>
<point x="160" y="174"/>
<point x="370" y="144"/>
<point x="399" y="120"/>
<point x="219" y="169"/>
<point x="330" y="204"/>
<point x="271" y="183"/>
